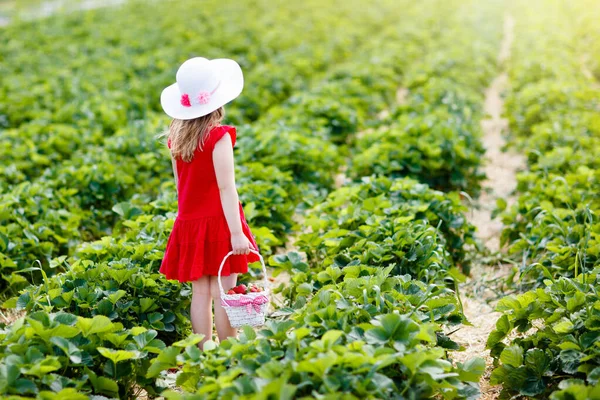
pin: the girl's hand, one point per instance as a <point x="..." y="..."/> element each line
<point x="240" y="244"/>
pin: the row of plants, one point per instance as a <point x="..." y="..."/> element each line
<point x="365" y="334"/>
<point x="382" y="222"/>
<point x="63" y="355"/>
<point x="101" y="66"/>
<point x="545" y="344"/>
<point x="128" y="162"/>
<point x="434" y="134"/>
<point x="586" y="14"/>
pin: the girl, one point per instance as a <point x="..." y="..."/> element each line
<point x="210" y="221"/>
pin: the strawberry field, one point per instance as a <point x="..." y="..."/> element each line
<point x="423" y="179"/>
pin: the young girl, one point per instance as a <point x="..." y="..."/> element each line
<point x="210" y="221"/>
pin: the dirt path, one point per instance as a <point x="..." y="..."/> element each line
<point x="500" y="168"/>
<point x="586" y="71"/>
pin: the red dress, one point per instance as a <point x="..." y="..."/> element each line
<point x="200" y="238"/>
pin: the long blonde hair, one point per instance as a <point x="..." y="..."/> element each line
<point x="188" y="135"/>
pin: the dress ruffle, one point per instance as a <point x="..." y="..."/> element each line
<point x="196" y="247"/>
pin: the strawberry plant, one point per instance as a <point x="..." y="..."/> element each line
<point x="438" y="149"/>
<point x="555" y="336"/>
<point x="389" y="222"/>
<point x="121" y="290"/>
<point x="544" y="344"/>
<point x="364" y="349"/>
<point x="47" y="353"/>
<point x="35" y="224"/>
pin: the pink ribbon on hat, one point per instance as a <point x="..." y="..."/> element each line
<point x="248" y="302"/>
<point x="201" y="98"/>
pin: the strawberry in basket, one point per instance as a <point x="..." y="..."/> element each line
<point x="243" y="289"/>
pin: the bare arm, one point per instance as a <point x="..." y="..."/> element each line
<point x="225" y="173"/>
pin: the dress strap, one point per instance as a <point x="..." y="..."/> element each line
<point x="218" y="132"/>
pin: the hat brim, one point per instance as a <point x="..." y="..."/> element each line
<point x="232" y="83"/>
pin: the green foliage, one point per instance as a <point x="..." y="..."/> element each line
<point x="317" y="79"/>
<point x="554" y="336"/>
<point x="438" y="149"/>
<point x="384" y="222"/>
<point x="434" y="134"/>
<point x="35" y="224"/>
<point x="51" y="353"/>
<point x="377" y="342"/>
<point x="125" y="291"/>
<point x="553" y="228"/>
<point x="545" y="342"/>
<point x="97" y="123"/>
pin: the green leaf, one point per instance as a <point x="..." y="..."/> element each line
<point x="594" y="376"/>
<point x="126" y="210"/>
<point x="143" y="339"/>
<point x="68" y="348"/>
<point x="512" y="355"/>
<point x="39" y="369"/>
<point x="10" y="303"/>
<point x="23" y="301"/>
<point x="575" y="301"/>
<point x="249" y="332"/>
<point x="392" y="327"/>
<point x="192" y="339"/>
<point x="534" y="385"/>
<point x="64" y="394"/>
<point x="472" y="370"/>
<point x="147" y="304"/>
<point x="570" y="360"/>
<point x="65" y="318"/>
<point x="564" y="326"/>
<point x="98" y="324"/>
<point x="330" y="337"/>
<point x="503" y="324"/>
<point x="166" y="359"/>
<point x="102" y="384"/>
<point x="59" y="330"/>
<point x="537" y="361"/>
<point x="494" y="338"/>
<point x="117" y="356"/>
<point x="318" y="366"/>
<point x="25" y="386"/>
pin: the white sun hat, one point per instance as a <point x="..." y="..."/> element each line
<point x="202" y="87"/>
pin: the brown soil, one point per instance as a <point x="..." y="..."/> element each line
<point x="8" y="316"/>
<point x="501" y="169"/>
<point x="585" y="59"/>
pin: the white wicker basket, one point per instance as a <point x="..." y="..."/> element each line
<point x="245" y="309"/>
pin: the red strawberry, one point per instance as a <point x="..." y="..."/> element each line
<point x="241" y="289"/>
<point x="231" y="291"/>
<point x="254" y="289"/>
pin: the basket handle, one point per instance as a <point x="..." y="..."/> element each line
<point x="262" y="261"/>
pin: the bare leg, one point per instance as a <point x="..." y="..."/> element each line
<point x="201" y="309"/>
<point x="224" y="329"/>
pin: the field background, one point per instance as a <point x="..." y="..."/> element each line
<point x="422" y="177"/>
